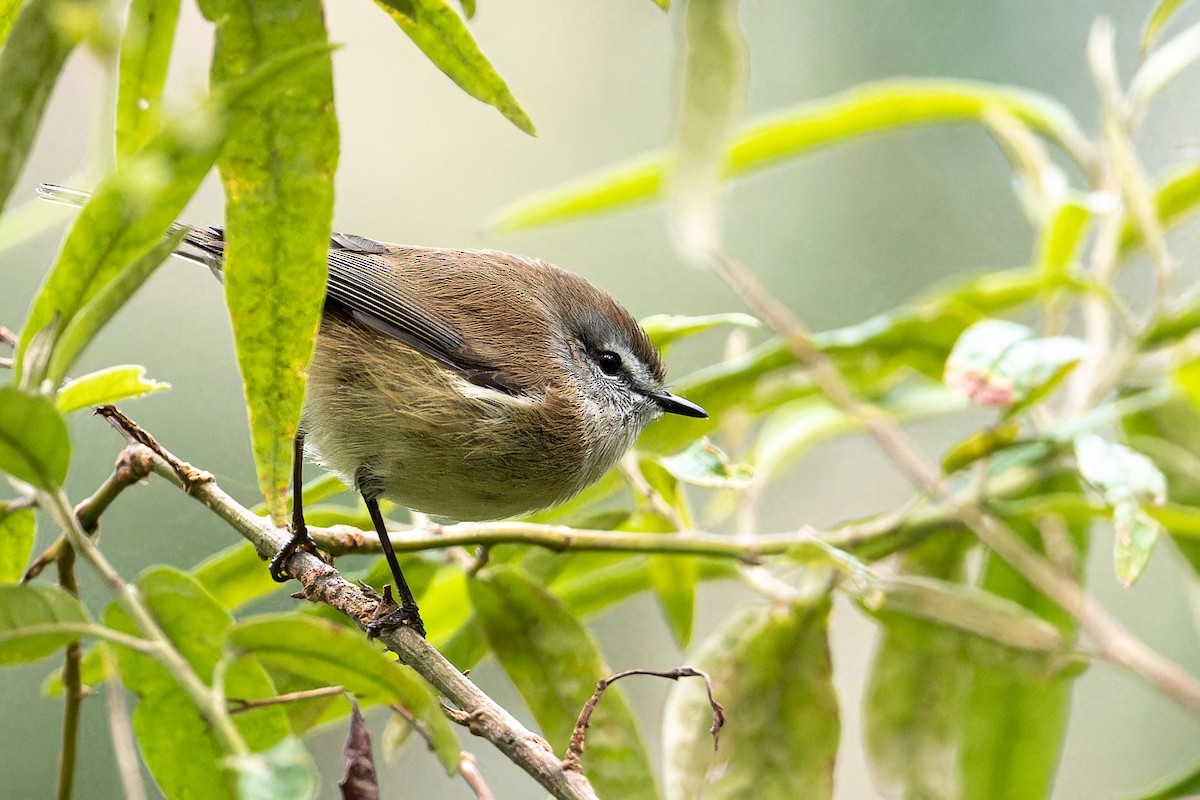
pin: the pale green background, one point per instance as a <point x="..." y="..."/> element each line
<point x="841" y="235"/>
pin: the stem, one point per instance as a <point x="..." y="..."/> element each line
<point x="121" y="732"/>
<point x="72" y="686"/>
<point x="57" y="505"/>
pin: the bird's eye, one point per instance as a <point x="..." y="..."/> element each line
<point x="609" y="362"/>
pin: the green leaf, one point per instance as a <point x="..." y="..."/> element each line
<point x="665" y="329"/>
<point x="145" y="55"/>
<point x="1061" y="237"/>
<point x="771" y="671"/>
<point x="318" y="653"/>
<point x="444" y="39"/>
<point x="82" y="328"/>
<point x="29" y="620"/>
<point x="125" y="217"/>
<point x="235" y="576"/>
<point x="1001" y="363"/>
<point x="1176" y="198"/>
<point x="8" y="15"/>
<point x="17" y="530"/>
<point x="185" y="754"/>
<point x="33" y="56"/>
<point x="1119" y="472"/>
<point x="34" y="446"/>
<point x="1158" y="18"/>
<point x="917" y="691"/>
<point x="555" y="664"/>
<point x="866" y="109"/>
<point x="1015" y="719"/>
<point x="1136" y="533"/>
<point x="981" y="444"/>
<point x="277" y="169"/>
<point x="107" y="386"/>
<point x="714" y="92"/>
<point x="1182" y="787"/>
<point x="704" y="464"/>
<point x="1164" y="65"/>
<point x="284" y="772"/>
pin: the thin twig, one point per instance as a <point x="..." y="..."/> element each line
<point x="575" y="749"/>
<point x="133" y="465"/>
<point x="323" y="584"/>
<point x="121" y="730"/>
<point x="72" y="679"/>
<point x="467" y="767"/>
<point x="240" y="704"/>
<point x="1116" y="644"/>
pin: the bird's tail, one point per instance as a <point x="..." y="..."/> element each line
<point x="204" y="246"/>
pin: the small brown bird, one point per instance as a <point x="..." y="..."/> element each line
<point x="469" y="384"/>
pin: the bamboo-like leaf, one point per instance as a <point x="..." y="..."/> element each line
<point x="191" y="756"/>
<point x="30" y="617"/>
<point x="277" y="168"/>
<point x="444" y="39"/>
<point x="145" y="54"/>
<point x="665" y="329"/>
<point x="318" y="653"/>
<point x="33" y="439"/>
<point x="9" y="9"/>
<point x="1158" y="18"/>
<point x="33" y="56"/>
<point x="1164" y="65"/>
<point x="555" y="664"/>
<point x="1176" y="197"/>
<point x="108" y="385"/>
<point x="1062" y="236"/>
<point x="866" y="109"/>
<point x="771" y="671"/>
<point x="714" y="88"/>
<point x="82" y="328"/>
<point x="17" y="529"/>
<point x="125" y="217"/>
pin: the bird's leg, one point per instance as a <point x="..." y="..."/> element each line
<point x="300" y="539"/>
<point x="407" y="613"/>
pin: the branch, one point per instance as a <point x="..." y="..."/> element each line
<point x="323" y="584"/>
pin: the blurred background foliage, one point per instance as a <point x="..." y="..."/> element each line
<point x="871" y="242"/>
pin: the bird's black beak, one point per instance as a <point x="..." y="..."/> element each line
<point x="677" y="405"/>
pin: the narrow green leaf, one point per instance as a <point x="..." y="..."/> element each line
<point x="554" y="663"/>
<point x="33" y="56"/>
<point x="981" y="444"/>
<point x="283" y="772"/>
<point x="125" y="217"/>
<point x="1176" y="197"/>
<point x="665" y="329"/>
<point x="917" y="691"/>
<point x="34" y="446"/>
<point x="107" y="386"/>
<point x="715" y="62"/>
<point x="145" y="54"/>
<point x="868" y="108"/>
<point x="9" y="9"/>
<point x="1164" y="65"/>
<point x="82" y="328"/>
<point x="186" y="755"/>
<point x="444" y="39"/>
<point x="771" y="671"/>
<point x="318" y="653"/>
<point x="17" y="530"/>
<point x="1062" y="236"/>
<point x="1001" y="363"/>
<point x="29" y="616"/>
<point x="277" y="169"/>
<point x="1158" y="18"/>
<point x="1182" y="787"/>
